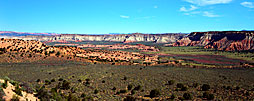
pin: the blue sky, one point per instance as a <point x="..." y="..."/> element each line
<point x="125" y="16"/>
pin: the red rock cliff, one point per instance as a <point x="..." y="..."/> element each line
<point x="220" y="40"/>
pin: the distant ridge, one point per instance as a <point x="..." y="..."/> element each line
<point x="13" y="33"/>
<point x="132" y="37"/>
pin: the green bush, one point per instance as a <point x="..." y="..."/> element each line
<point x="208" y="96"/>
<point x="129" y="98"/>
<point x="123" y="91"/>
<point x="129" y="87"/>
<point x="195" y="85"/>
<point x="60" y="79"/>
<point x="58" y="53"/>
<point x="65" y="85"/>
<point x="96" y="91"/>
<point x="47" y="82"/>
<point x="38" y="80"/>
<point x="133" y="92"/>
<point x="15" y="98"/>
<point x="173" y="96"/>
<point x="53" y="80"/>
<point x="154" y="93"/>
<point x="18" y="90"/>
<point x="179" y="85"/>
<point x="184" y="88"/>
<point x="72" y="97"/>
<point x="4" y="85"/>
<point x="187" y="96"/>
<point x="138" y="87"/>
<point x="83" y="95"/>
<point x="114" y="88"/>
<point x="171" y="82"/>
<point x="205" y="87"/>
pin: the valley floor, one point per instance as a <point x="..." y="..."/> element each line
<point x="112" y="82"/>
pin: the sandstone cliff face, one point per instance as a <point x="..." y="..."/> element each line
<point x="136" y="37"/>
<point x="225" y="40"/>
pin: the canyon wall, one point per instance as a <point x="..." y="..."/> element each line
<point x="220" y="40"/>
<point x="135" y="37"/>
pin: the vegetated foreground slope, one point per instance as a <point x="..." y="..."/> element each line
<point x="224" y="40"/>
<point x="53" y="79"/>
<point x="135" y="37"/>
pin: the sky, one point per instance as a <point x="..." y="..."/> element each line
<point x="125" y="16"/>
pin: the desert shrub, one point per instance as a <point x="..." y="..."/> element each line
<point x="60" y="79"/>
<point x="87" y="83"/>
<point x="83" y="95"/>
<point x="47" y="82"/>
<point x="173" y="96"/>
<point x="237" y="87"/>
<point x="38" y="80"/>
<point x="15" y="98"/>
<point x="30" y="55"/>
<point x="133" y="92"/>
<point x="114" y="88"/>
<point x="129" y="87"/>
<point x="89" y="98"/>
<point x="138" y="87"/>
<point x="118" y="92"/>
<point x="208" y="96"/>
<point x="129" y="98"/>
<point x="46" y="53"/>
<point x="53" y="80"/>
<point x="65" y="85"/>
<point x="1" y="93"/>
<point x="125" y="78"/>
<point x="96" y="91"/>
<point x="195" y="85"/>
<point x="58" y="53"/>
<point x="72" y="97"/>
<point x="205" y="87"/>
<point x="154" y="93"/>
<point x="5" y="84"/>
<point x="171" y="82"/>
<point x="187" y="96"/>
<point x="87" y="80"/>
<point x="3" y="49"/>
<point x="184" y="88"/>
<point x="179" y="85"/>
<point x="18" y="90"/>
<point x="53" y="90"/>
<point x="57" y="96"/>
<point x="229" y="88"/>
<point x="123" y="91"/>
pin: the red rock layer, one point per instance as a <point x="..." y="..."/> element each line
<point x="227" y="40"/>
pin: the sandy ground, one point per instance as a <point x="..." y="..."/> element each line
<point x="9" y="94"/>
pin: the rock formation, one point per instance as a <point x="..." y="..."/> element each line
<point x="135" y="37"/>
<point x="220" y="40"/>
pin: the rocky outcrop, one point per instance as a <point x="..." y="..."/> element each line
<point x="220" y="40"/>
<point x="135" y="37"/>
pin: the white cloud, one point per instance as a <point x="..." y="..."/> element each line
<point x="209" y="14"/>
<point x="192" y="7"/>
<point x="192" y="13"/>
<point x="248" y="4"/>
<point x="155" y="6"/>
<point x="124" y="16"/>
<point x="208" y="2"/>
